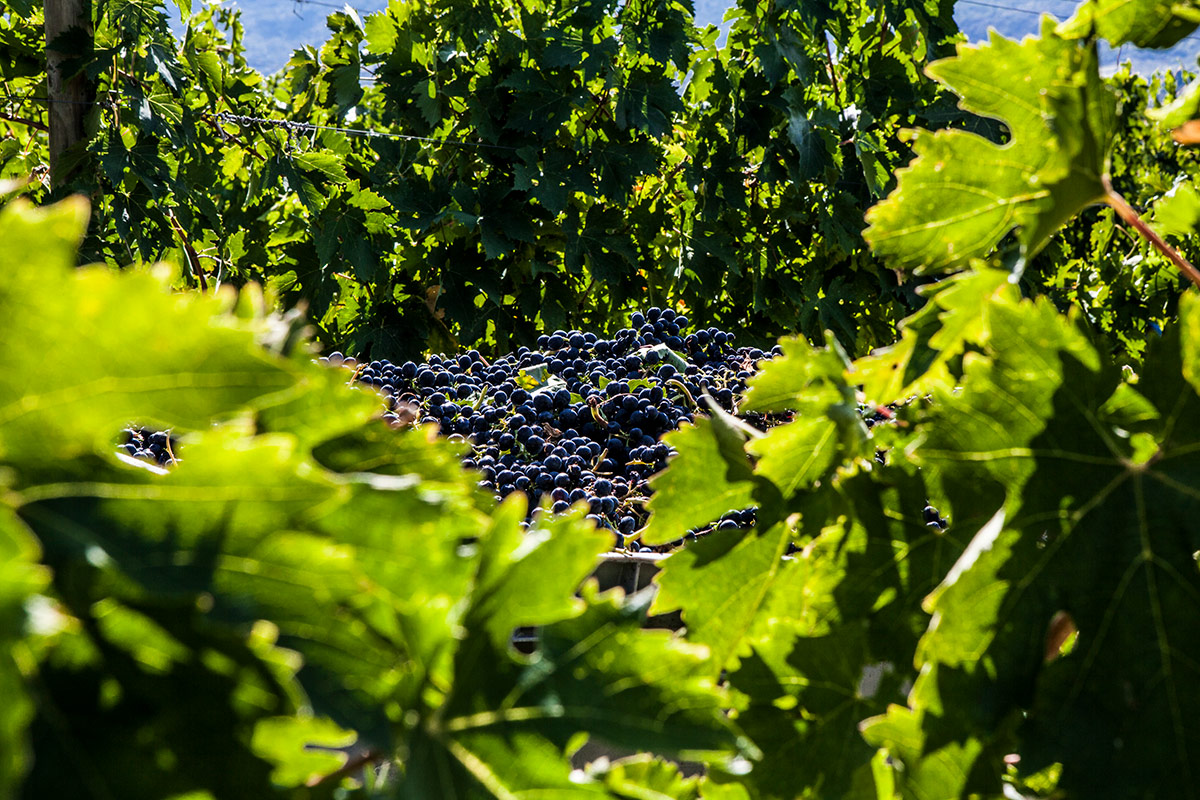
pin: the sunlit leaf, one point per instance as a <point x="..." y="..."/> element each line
<point x="963" y="193"/>
<point x="705" y="480"/>
<point x="723" y="583"/>
<point x="1098" y="527"/>
<point x="1145" y="23"/>
<point x="1178" y="212"/>
<point x="76" y="409"/>
<point x="506" y="724"/>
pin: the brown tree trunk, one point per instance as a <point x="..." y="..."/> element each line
<point x="69" y="97"/>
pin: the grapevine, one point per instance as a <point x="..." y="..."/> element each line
<point x="959" y="565"/>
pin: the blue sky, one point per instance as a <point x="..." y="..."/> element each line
<point x="275" y="27"/>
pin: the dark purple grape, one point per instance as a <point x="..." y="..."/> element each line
<point x="593" y="432"/>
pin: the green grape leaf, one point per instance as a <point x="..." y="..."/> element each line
<point x="322" y="408"/>
<point x="150" y="665"/>
<point x="795" y="455"/>
<point x="326" y="164"/>
<point x="513" y="587"/>
<point x="963" y="193"/>
<point x="1008" y="404"/>
<point x="812" y="151"/>
<point x="163" y="106"/>
<point x="835" y="644"/>
<point x="805" y="379"/>
<point x="1093" y="533"/>
<point x="77" y="408"/>
<point x="826" y="428"/>
<point x="1177" y="213"/>
<point x="21" y="578"/>
<point x="723" y="582"/>
<point x="302" y="748"/>
<point x="246" y="585"/>
<point x="818" y="640"/>
<point x="943" y="773"/>
<point x="806" y="697"/>
<point x="506" y="724"/>
<point x="714" y="789"/>
<point x="1189" y="326"/>
<point x="23" y="7"/>
<point x="709" y="476"/>
<point x="1143" y="23"/>
<point x="170" y="573"/>
<point x="368" y="604"/>
<point x="643" y="776"/>
<point x="381" y="33"/>
<point x="954" y="317"/>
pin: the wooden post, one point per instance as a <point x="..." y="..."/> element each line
<point x="69" y="98"/>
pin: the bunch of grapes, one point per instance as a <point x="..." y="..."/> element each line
<point x="577" y="419"/>
<point x="157" y="447"/>
<point x="580" y="417"/>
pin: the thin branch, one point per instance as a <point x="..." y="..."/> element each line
<point x="837" y="92"/>
<point x="29" y="123"/>
<point x="189" y="251"/>
<point x="1130" y="215"/>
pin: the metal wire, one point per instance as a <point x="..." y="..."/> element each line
<point x="243" y="120"/>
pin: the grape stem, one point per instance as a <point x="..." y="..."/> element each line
<point x="683" y="388"/>
<point x="837" y="92"/>
<point x="28" y="123"/>
<point x="190" y="252"/>
<point x="1130" y="215"/>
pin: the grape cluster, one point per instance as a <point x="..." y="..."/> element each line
<point x="580" y="417"/>
<point x="934" y="519"/>
<point x="155" y="446"/>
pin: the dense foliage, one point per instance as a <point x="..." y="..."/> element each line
<point x="1127" y="290"/>
<point x="304" y="575"/>
<point x="506" y="168"/>
<point x="538" y="169"/>
<point x="487" y="173"/>
<point x="324" y="605"/>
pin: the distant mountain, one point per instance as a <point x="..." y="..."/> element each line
<point x="276" y="27"/>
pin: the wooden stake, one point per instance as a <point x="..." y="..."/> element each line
<point x="69" y="24"/>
